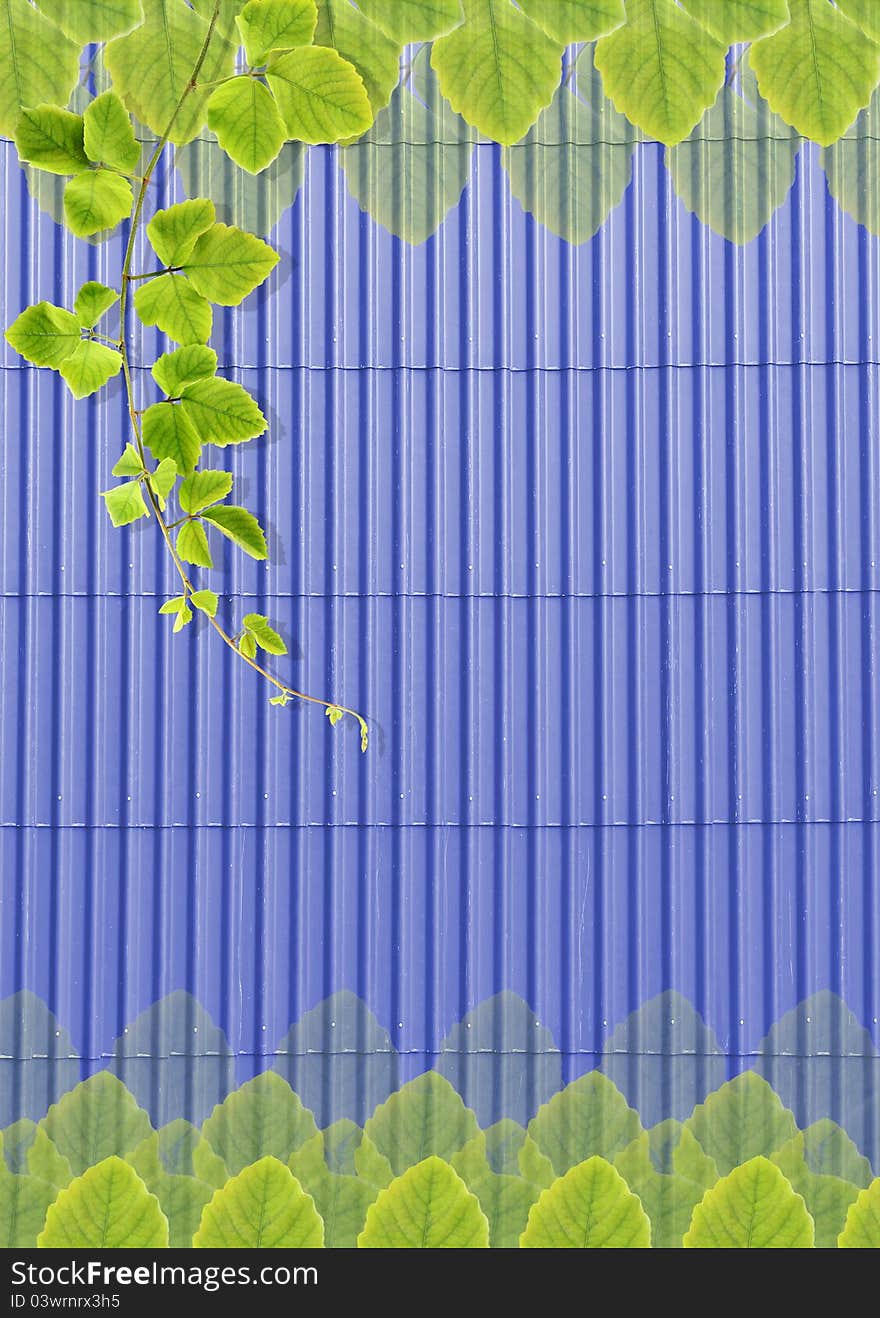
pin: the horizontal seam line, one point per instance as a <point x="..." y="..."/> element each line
<point x="330" y="368"/>
<point x="755" y="592"/>
<point x="582" y="825"/>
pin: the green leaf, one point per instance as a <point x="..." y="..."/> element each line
<point x="96" y="200"/>
<point x="171" y="303"/>
<point x="206" y="600"/>
<point x="740" y="1120"/>
<point x="828" y="1151"/>
<point x="46" y="1163"/>
<point x="227" y="264"/>
<point x="222" y="412"/>
<point x="130" y="463"/>
<point x="163" y="478"/>
<point x="248" y="646"/>
<point x="818" y="71"/>
<point x="109" y="137"/>
<point x="428" y="1207"/>
<point x="375" y="56"/>
<point x="590" y="1116"/>
<point x="108" y="1207"/>
<point x="92" y="301"/>
<point x="24" y="1201"/>
<point x="590" y="1207"/>
<point x="406" y="21"/>
<point x="662" y="69"/>
<point x="862" y="1230"/>
<point x="574" y="166"/>
<point x="175" y="370"/>
<point x="321" y="96"/>
<point x="182" y="1200"/>
<point x="44" y="334"/>
<point x="827" y="1197"/>
<point x="425" y="1116"/>
<point x="89" y="367"/>
<point x="178" y="1148"/>
<point x="568" y="21"/>
<point x="754" y="1207"/>
<point x="169" y="433"/>
<point x="152" y="66"/>
<point x="254" y="202"/>
<point x="263" y="634"/>
<point x="192" y="545"/>
<point x="371" y="1165"/>
<point x="864" y="13"/>
<point x="174" y="232"/>
<point x="39" y="65"/>
<point x="267" y="25"/>
<point x="263" y="1116"/>
<point x="506" y="1201"/>
<point x="93" y="20"/>
<point x="184" y="616"/>
<point x="739" y="20"/>
<point x="263" y="1207"/>
<point x="498" y="70"/>
<point x="173" y="605"/>
<point x="411" y="168"/>
<point x="240" y="526"/>
<point x="737" y="167"/>
<point x="125" y="503"/>
<point x="203" y="488"/>
<point x="245" y="116"/>
<point x="51" y="139"/>
<point x="670" y="1173"/>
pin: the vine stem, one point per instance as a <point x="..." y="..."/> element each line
<point x="135" y="414"/>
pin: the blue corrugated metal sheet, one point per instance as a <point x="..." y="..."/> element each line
<point x="593" y="536"/>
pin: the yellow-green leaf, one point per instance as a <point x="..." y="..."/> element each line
<point x="93" y="20"/>
<point x="263" y="1116"/>
<point x="89" y="367"/>
<point x="227" y="264"/>
<point x="818" y="71"/>
<point x="265" y="636"/>
<point x="267" y="25"/>
<point x="222" y="412"/>
<point x="862" y="1229"/>
<point x="125" y="503"/>
<point x="590" y="1207"/>
<point x="263" y="1207"/>
<point x="174" y="232"/>
<point x="589" y="1116"/>
<point x="865" y="13"/>
<point x="51" y="139"/>
<point x="753" y="1207"/>
<point x="741" y="1119"/>
<point x="243" y="529"/>
<point x="245" y="116"/>
<point x="169" y="433"/>
<point x="108" y="135"/>
<point x="163" y="478"/>
<point x="567" y="21"/>
<point x="39" y="65"/>
<point x="498" y="70"/>
<point x="428" y="1207"/>
<point x="23" y="1204"/>
<point x="425" y="1116"/>
<point x="321" y="96"/>
<point x="96" y="200"/>
<point x="45" y="334"/>
<point x="173" y="371"/>
<point x="207" y="601"/>
<point x="733" y="21"/>
<point x="662" y="69"/>
<point x="108" y="1207"/>
<point x="202" y="489"/>
<point x="171" y="303"/>
<point x="406" y="21"/>
<point x="192" y="545"/>
<point x="375" y="56"/>
<point x="92" y="301"/>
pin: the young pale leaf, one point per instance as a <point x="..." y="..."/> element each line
<point x="662" y="69"/>
<point x="174" y="605"/>
<point x="89" y="367"/>
<point x="739" y="20"/>
<point x="107" y="1207"/>
<point x="248" y="646"/>
<point x="265" y="636"/>
<point x="568" y="21"/>
<point x="45" y="334"/>
<point x="267" y="25"/>
<point x="206" y="600"/>
<point x="51" y="139"/>
<point x="374" y="54"/>
<point x="96" y="200"/>
<point x="175" y="370"/>
<point x="754" y="1207"/>
<point x="203" y="488"/>
<point x="862" y="1229"/>
<point x="174" y="232"/>
<point x="171" y="303"/>
<point x="109" y="137"/>
<point x="818" y="71"/>
<point x="93" y="20"/>
<point x="590" y="1207"/>
<point x="263" y="1207"/>
<point x="226" y="264"/>
<point x="39" y="65"/>
<point x="222" y="412"/>
<point x="498" y="70"/>
<point x="334" y="714"/>
<point x="92" y="301"/>
<point x="183" y="619"/>
<point x="151" y="67"/>
<point x="163" y="478"/>
<point x="321" y="96"/>
<point x="415" y="20"/>
<point x="169" y="433"/>
<point x="245" y="116"/>
<point x="281" y="700"/>
<point x="130" y="463"/>
<point x="428" y="1207"/>
<point x="192" y="545"/>
<point x="239" y="525"/>
<point x="125" y="503"/>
